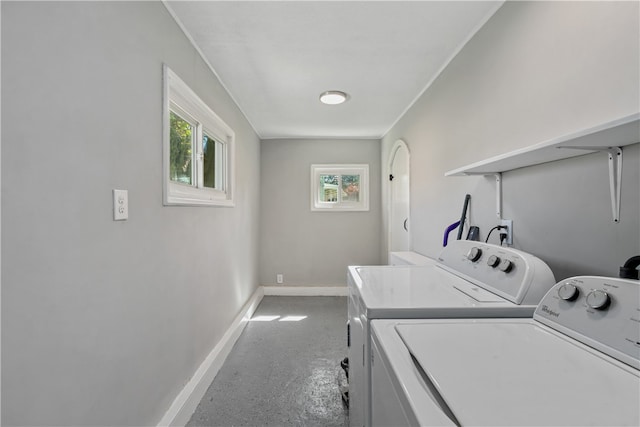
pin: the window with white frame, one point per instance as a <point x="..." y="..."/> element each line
<point x="198" y="149"/>
<point x="340" y="187"/>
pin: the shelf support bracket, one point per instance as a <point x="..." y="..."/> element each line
<point x="615" y="180"/>
<point x="498" y="194"/>
<point x="615" y="175"/>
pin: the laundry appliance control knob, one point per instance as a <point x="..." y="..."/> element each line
<point x="568" y="292"/>
<point x="493" y="261"/>
<point x="598" y="300"/>
<point x="506" y="265"/>
<point x="474" y="254"/>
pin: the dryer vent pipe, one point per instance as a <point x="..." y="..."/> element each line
<point x="630" y="268"/>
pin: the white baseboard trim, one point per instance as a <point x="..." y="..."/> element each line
<point x="311" y="291"/>
<point x="188" y="399"/>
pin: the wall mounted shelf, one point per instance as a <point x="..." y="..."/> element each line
<point x="607" y="137"/>
<point x="617" y="133"/>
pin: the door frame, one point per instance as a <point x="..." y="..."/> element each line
<point x="392" y="155"/>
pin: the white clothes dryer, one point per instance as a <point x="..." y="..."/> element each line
<point x="469" y="280"/>
<point x="576" y="363"/>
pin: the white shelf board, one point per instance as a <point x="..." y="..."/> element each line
<point x="616" y="133"/>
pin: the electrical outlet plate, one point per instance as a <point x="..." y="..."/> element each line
<point x="279" y="278"/>
<point x="120" y="205"/>
<point x="509" y="231"/>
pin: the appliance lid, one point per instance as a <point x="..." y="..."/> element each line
<point x="406" y="287"/>
<point x="515" y="372"/>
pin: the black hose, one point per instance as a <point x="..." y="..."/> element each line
<point x="630" y="268"/>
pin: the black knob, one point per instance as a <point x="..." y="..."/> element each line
<point x="506" y="265"/>
<point x="474" y="254"/>
<point x="493" y="261"/>
<point x="598" y="300"/>
<point x="568" y="292"/>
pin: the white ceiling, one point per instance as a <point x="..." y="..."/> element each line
<point x="276" y="57"/>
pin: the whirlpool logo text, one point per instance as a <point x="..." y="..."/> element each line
<point x="550" y="312"/>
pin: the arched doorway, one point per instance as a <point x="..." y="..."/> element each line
<point x="399" y="185"/>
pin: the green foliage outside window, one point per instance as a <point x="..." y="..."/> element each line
<point x="181" y="149"/>
<point x="329" y="179"/>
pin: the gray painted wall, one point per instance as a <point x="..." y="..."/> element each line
<point x="314" y="248"/>
<point x="535" y="71"/>
<point x="104" y="322"/>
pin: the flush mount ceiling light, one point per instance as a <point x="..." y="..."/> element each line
<point x="333" y="97"/>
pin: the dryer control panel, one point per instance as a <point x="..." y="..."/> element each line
<point x="601" y="312"/>
<point x="517" y="276"/>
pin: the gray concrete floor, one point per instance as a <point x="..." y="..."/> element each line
<point x="282" y="373"/>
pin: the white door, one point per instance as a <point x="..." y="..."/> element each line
<point x="399" y="197"/>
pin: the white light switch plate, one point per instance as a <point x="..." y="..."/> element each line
<point x="120" y="205"/>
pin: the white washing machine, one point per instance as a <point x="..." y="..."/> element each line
<point x="469" y="280"/>
<point x="409" y="258"/>
<point x="576" y="363"/>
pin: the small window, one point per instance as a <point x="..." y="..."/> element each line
<point x="198" y="149"/>
<point x="339" y="187"/>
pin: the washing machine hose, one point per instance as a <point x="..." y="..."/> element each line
<point x="630" y="268"/>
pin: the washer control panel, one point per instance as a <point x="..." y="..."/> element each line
<point x="514" y="275"/>
<point x="602" y="312"/>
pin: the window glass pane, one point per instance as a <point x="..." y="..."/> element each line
<point x="328" y="188"/>
<point x="221" y="155"/>
<point x="209" y="165"/>
<point x="181" y="149"/>
<point x="351" y="188"/>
